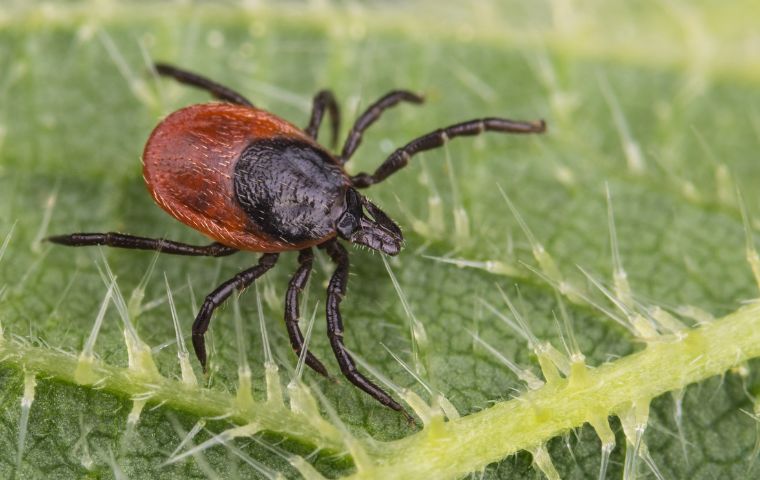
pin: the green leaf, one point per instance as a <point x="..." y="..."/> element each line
<point x="588" y="289"/>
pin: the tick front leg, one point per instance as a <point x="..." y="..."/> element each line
<point x="371" y="115"/>
<point x="438" y="138"/>
<point x="214" y="299"/>
<point x="120" y="240"/>
<point x="324" y="100"/>
<point x="296" y="286"/>
<point x="336" y="290"/>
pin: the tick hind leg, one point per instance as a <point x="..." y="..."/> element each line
<point x="324" y="100"/>
<point x="194" y="80"/>
<point x="336" y="290"/>
<point x="371" y="115"/>
<point x="296" y="286"/>
<point x="120" y="240"/>
<point x="214" y="299"/>
<point x="437" y="138"/>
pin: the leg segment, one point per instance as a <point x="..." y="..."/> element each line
<point x="324" y="100"/>
<point x="296" y="286"/>
<point x="371" y="115"/>
<point x="188" y="78"/>
<point x="336" y="290"/>
<point x="218" y="296"/>
<point x="401" y="156"/>
<point x="120" y="240"/>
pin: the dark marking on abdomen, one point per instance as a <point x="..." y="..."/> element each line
<point x="291" y="189"/>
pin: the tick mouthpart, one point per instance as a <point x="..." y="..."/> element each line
<point x="378" y="236"/>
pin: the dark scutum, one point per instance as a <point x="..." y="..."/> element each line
<point x="293" y="191"/>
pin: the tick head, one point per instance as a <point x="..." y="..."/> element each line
<point x="363" y="223"/>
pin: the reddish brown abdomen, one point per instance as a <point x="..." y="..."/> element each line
<point x="188" y="166"/>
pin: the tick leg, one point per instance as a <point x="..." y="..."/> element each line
<point x="121" y="240"/>
<point x="336" y="290"/>
<point x="437" y="138"/>
<point x="217" y="297"/>
<point x="369" y="117"/>
<point x="296" y="286"/>
<point x="193" y="79"/>
<point x="324" y="100"/>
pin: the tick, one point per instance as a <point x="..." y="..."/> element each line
<point x="252" y="181"/>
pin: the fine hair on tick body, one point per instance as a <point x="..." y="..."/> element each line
<point x="252" y="181"/>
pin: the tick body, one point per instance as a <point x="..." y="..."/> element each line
<point x="245" y="178"/>
<point x="252" y="181"/>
